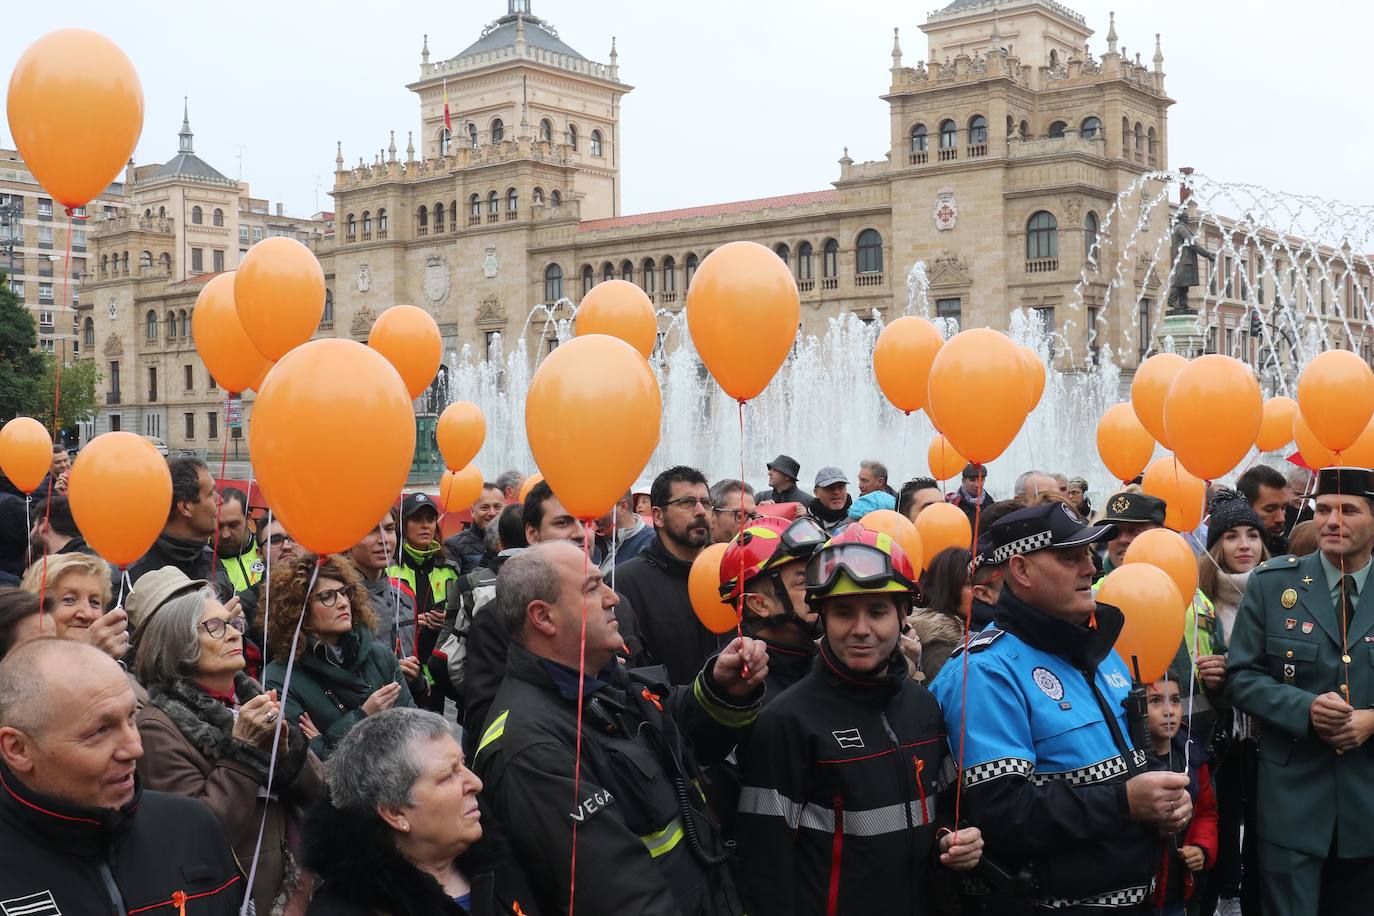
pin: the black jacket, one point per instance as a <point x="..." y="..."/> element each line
<point x="787" y="664"/>
<point x="832" y="519"/>
<point x="362" y="874"/>
<point x="646" y="844"/>
<point x="56" y="857"/>
<point x="844" y="790"/>
<point x="792" y="494"/>
<point x="655" y="582"/>
<point x="467" y="549"/>
<point x="14" y="533"/>
<point x="191" y="557"/>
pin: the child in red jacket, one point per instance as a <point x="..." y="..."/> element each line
<point x="1181" y="858"/>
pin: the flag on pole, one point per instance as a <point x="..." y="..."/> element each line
<point x="448" y="123"/>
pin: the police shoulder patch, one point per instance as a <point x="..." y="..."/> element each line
<point x="258" y="567"/>
<point x="977" y="642"/>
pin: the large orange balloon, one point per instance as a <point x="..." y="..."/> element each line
<point x="222" y="343"/>
<point x="458" y="490"/>
<point x="1035" y="376"/>
<point x="902" y="358"/>
<point x="1149" y="388"/>
<point x="460" y="432"/>
<point x="942" y="525"/>
<point x="1336" y="396"/>
<point x="1313" y="452"/>
<point x="1154" y="613"/>
<point x="1361" y="454"/>
<point x="1184" y="494"/>
<point x="279" y="291"/>
<point x="530" y="483"/>
<point x="409" y="339"/>
<point x="1212" y="414"/>
<point x="1276" y="429"/>
<point x="944" y="460"/>
<point x="75" y="109"/>
<point x="1123" y="444"/>
<point x="977" y="393"/>
<point x="121" y="494"/>
<point x="901" y="530"/>
<point x="703" y="587"/>
<point x="743" y="310"/>
<point x="621" y="309"/>
<point x="331" y="438"/>
<point x="25" y="453"/>
<point x="590" y="385"/>
<point x="1170" y="552"/>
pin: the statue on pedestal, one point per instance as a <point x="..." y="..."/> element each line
<point x="1186" y="250"/>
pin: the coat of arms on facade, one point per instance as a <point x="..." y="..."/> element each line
<point x="490" y="263"/>
<point x="946" y="210"/>
<point x="362" y="322"/>
<point x="436" y="279"/>
<point x="491" y="311"/>
<point x="114" y="309"/>
<point x="364" y="278"/>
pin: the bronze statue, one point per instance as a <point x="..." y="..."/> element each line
<point x="1186" y="250"/>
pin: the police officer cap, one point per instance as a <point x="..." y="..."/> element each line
<point x="1345" y="481"/>
<point x="1138" y="508"/>
<point x="414" y="502"/>
<point x="1053" y="526"/>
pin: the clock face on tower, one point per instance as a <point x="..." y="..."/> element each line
<point x="114" y="310"/>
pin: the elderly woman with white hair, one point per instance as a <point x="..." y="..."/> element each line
<point x="207" y="732"/>
<point x="403" y="833"/>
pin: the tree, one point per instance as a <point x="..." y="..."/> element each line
<point x="21" y="365"/>
<point x="79" y="380"/>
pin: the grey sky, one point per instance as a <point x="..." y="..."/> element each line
<point x="732" y="99"/>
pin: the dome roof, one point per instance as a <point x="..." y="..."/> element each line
<point x="501" y="34"/>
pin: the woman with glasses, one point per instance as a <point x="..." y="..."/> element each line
<point x="343" y="673"/>
<point x="207" y="733"/>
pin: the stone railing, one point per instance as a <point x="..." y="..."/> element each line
<point x="495" y="56"/>
<point x="159" y="224"/>
<point x="1042" y="265"/>
<point x="1043" y="146"/>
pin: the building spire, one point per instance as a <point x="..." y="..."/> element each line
<point x="896" y="49"/>
<point x="410" y="146"/>
<point x="424" y="51"/>
<point x="996" y="31"/>
<point x="391" y="150"/>
<point x="1159" y="55"/>
<point x="518" y="7"/>
<point x="1111" y="33"/>
<point x="185" y="136"/>
<point x="338" y="157"/>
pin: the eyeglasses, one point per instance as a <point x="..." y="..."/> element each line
<point x="739" y="515"/>
<point x="864" y="564"/>
<point x="277" y="540"/>
<point x="329" y="597"/>
<point x="217" y="627"/>
<point x="691" y="502"/>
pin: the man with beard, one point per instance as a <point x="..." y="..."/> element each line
<point x="185" y="539"/>
<point x="240" y="564"/>
<point x="1268" y="493"/>
<point x="831" y="506"/>
<point x="655" y="582"/>
<point x="54" y="530"/>
<point x="468" y="548"/>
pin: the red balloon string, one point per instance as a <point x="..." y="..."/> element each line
<point x="968" y="625"/>
<point x="223" y="460"/>
<point x="587" y="533"/>
<point x="739" y="599"/>
<point x="1345" y="648"/>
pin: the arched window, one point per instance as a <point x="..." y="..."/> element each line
<point x="1152" y="139"/>
<point x="422" y="221"/>
<point x="546" y="130"/>
<point x="381" y="221"/>
<point x="352" y="224"/>
<point x="647" y="270"/>
<point x="169" y="325"/>
<point x="830" y="258"/>
<point x="367" y="224"/>
<point x="1054" y="57"/>
<point x="328" y="316"/>
<point x="445" y="141"/>
<point x="1139" y="137"/>
<point x="197" y="216"/>
<point x="166" y="260"/>
<point x="105" y="263"/>
<point x="1090" y="229"/>
<point x="553" y="283"/>
<point x="185" y="320"/>
<point x="1023" y="130"/>
<point x="161" y="212"/>
<point x="1090" y="129"/>
<point x="627" y="271"/>
<point x="217" y="217"/>
<point x="537" y="195"/>
<point x="669" y="274"/>
<point x="125" y="265"/>
<point x="555" y="199"/>
<point x="804" y="268"/>
<point x="572" y="135"/>
<point x="512" y="201"/>
<point x="88" y="334"/>
<point x="870" y="252"/>
<point x="607" y="271"/>
<point x="475" y="207"/>
<point x="783" y="252"/>
<point x="148" y="213"/>
<point x="948" y="134"/>
<point x="498" y="130"/>
<point x="1042" y="236"/>
<point x="596" y="143"/>
<point x="1011" y="126"/>
<point x="151" y="330"/>
<point x="588" y="278"/>
<point x="439" y="217"/>
<point x="978" y="131"/>
<point x="472" y="134"/>
<point x="493" y="204"/>
<point x="690" y="268"/>
<point x="920" y="139"/>
<point x="1057" y="129"/>
<point x="1126" y="137"/>
<point x="145" y="260"/>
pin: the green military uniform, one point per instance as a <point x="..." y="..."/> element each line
<point x="1315" y="803"/>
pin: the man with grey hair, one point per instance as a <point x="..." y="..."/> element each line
<point x="1032" y="486"/>
<point x="646" y="842"/>
<point x="873" y="477"/>
<point x="510" y="483"/>
<point x="78" y="834"/>
<point x="732" y="505"/>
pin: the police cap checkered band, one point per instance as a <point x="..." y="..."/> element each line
<point x="1052" y="526"/>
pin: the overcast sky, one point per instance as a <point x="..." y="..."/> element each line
<point x="732" y="99"/>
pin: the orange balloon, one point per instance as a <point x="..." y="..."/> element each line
<point x="900" y="529"/>
<point x="703" y="587"/>
<point x="1123" y="444"/>
<point x="262" y="377"/>
<point x="942" y="525"/>
<point x="458" y="490"/>
<point x="590" y="385"/>
<point x="1212" y="414"/>
<point x="25" y="453"/>
<point x="1035" y="375"/>
<point x="223" y="345"/>
<point x="1168" y="551"/>
<point x="279" y="290"/>
<point x="743" y="311"/>
<point x="902" y="358"/>
<point x="530" y="483"/>
<point x="1336" y="396"/>
<point x="461" y="430"/>
<point x="1149" y="388"/>
<point x="343" y="398"/>
<point x="409" y="339"/>
<point x="945" y="462"/>
<point x="1361" y="454"/>
<point x="975" y="381"/>
<point x="620" y="309"/>
<point x="1154" y="613"/>
<point x="76" y="110"/>
<point x="1276" y="429"/>
<point x="1183" y="494"/>
<point x="121" y="494"/>
<point x="1313" y="452"/>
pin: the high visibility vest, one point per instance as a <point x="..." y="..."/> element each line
<point x="245" y="570"/>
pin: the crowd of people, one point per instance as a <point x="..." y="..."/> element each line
<point x="528" y="716"/>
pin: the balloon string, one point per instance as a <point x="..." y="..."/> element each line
<point x="1345" y="638"/>
<point x="968" y="626"/>
<point x="124" y="585"/>
<point x="587" y="533"/>
<point x="223" y="461"/>
<point x="739" y="599"/>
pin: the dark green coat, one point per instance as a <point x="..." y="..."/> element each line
<point x="1281" y="658"/>
<point x="333" y="694"/>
